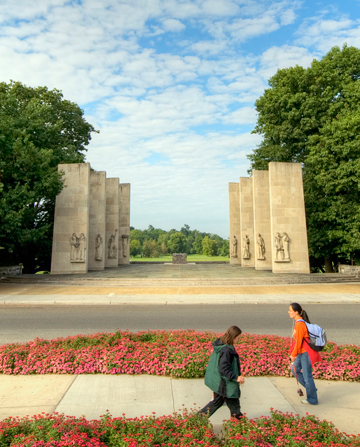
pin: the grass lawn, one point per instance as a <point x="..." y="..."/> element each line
<point x="190" y="258"/>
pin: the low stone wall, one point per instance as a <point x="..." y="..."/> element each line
<point x="179" y="258"/>
<point x="13" y="270"/>
<point x="349" y="269"/>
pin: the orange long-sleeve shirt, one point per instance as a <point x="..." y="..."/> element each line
<point x="300" y="332"/>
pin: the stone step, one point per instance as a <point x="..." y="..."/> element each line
<point x="181" y="282"/>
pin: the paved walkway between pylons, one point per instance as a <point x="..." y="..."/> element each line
<point x="140" y="395"/>
<point x="99" y="294"/>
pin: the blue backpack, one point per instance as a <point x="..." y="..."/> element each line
<point x="317" y="336"/>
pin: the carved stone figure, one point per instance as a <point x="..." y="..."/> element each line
<point x="279" y="249"/>
<point x="246" y="254"/>
<point x="124" y="244"/>
<point x="112" y="247"/>
<point x="285" y="241"/>
<point x="281" y="246"/>
<point x="234" y="243"/>
<point x="73" y="248"/>
<point x="260" y="248"/>
<point x="99" y="248"/>
<point x="78" y="248"/>
<point x="82" y="247"/>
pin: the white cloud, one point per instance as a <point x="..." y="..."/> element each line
<point x="258" y="18"/>
<point x="209" y="47"/>
<point x="244" y="115"/>
<point x="220" y="8"/>
<point x="323" y="34"/>
<point x="173" y="25"/>
<point x="244" y="29"/>
<point x="283" y="57"/>
<point x="181" y="9"/>
<point x="287" y="17"/>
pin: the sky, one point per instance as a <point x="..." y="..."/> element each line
<point x="170" y="84"/>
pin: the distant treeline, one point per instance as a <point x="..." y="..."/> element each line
<point x="153" y="242"/>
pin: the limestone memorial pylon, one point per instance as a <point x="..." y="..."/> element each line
<point x="97" y="220"/>
<point x="124" y="224"/>
<point x="288" y="220"/>
<point x="235" y="239"/>
<point x="112" y="222"/>
<point x="88" y="214"/>
<point x="262" y="225"/>
<point x="247" y="222"/>
<point x="269" y="220"/>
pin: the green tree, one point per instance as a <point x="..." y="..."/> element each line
<point x="38" y="130"/>
<point x="209" y="247"/>
<point x="153" y="233"/>
<point x="225" y="249"/>
<point x="163" y="243"/>
<point x="138" y="235"/>
<point x="197" y="244"/>
<point x="190" y="240"/>
<point x="135" y="247"/>
<point x="178" y="243"/>
<point x="312" y="116"/>
<point x="150" y="249"/>
<point x="332" y="182"/>
<point x="185" y="230"/>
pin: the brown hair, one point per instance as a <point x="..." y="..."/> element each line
<point x="230" y="335"/>
<point x="297" y="308"/>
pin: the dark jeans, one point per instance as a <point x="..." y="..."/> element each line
<point x="303" y="368"/>
<point x="232" y="403"/>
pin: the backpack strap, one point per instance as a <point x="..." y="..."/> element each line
<point x="300" y="319"/>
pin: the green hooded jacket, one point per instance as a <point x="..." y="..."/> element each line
<point x="223" y="370"/>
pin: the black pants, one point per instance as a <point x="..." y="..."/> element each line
<point x="232" y="403"/>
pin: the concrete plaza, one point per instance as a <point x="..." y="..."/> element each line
<point x="177" y="284"/>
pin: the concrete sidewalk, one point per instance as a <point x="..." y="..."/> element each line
<point x="40" y="294"/>
<point x="93" y="395"/>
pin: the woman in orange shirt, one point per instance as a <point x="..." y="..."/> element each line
<point x="302" y="356"/>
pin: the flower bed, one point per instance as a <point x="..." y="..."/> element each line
<point x="187" y="429"/>
<point x="58" y="430"/>
<point x="182" y="354"/>
<point x="285" y="429"/>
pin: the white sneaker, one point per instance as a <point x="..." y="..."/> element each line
<point x="305" y="402"/>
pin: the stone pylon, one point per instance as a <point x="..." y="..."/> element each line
<point x="89" y="229"/>
<point x="270" y="222"/>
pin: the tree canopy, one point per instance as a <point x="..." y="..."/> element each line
<point x="38" y="130"/>
<point x="153" y="241"/>
<point x="312" y="116"/>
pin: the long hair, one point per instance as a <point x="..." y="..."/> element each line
<point x="297" y="308"/>
<point x="230" y="335"/>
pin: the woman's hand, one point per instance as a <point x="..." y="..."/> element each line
<point x="241" y="379"/>
<point x="292" y="358"/>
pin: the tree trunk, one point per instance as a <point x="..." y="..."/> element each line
<point x="328" y="265"/>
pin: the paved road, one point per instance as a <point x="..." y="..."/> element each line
<point x="24" y="323"/>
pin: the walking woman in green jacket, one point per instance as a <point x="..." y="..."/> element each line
<point x="223" y="374"/>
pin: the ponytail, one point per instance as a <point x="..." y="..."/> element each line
<point x="297" y="308"/>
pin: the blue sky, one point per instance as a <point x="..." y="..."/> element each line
<point x="170" y="84"/>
